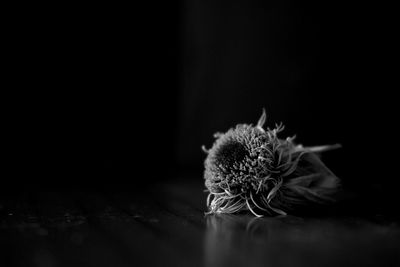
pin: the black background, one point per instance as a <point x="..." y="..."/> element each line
<point x="114" y="97"/>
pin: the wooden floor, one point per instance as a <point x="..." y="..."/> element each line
<point x="165" y="225"/>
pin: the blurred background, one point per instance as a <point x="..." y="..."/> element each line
<point x="113" y="97"/>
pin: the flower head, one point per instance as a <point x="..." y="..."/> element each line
<point x="250" y="168"/>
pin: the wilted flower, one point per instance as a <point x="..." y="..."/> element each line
<point x="250" y="168"/>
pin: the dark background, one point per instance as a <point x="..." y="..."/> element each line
<point x="115" y="97"/>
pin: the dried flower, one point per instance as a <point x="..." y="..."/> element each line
<point x="250" y="168"/>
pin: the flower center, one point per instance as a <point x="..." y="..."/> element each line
<point x="230" y="152"/>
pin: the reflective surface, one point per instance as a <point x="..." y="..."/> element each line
<point x="165" y="225"/>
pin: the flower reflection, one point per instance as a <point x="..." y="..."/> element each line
<point x="233" y="240"/>
<point x="242" y="240"/>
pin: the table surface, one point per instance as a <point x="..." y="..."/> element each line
<point x="165" y="225"/>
